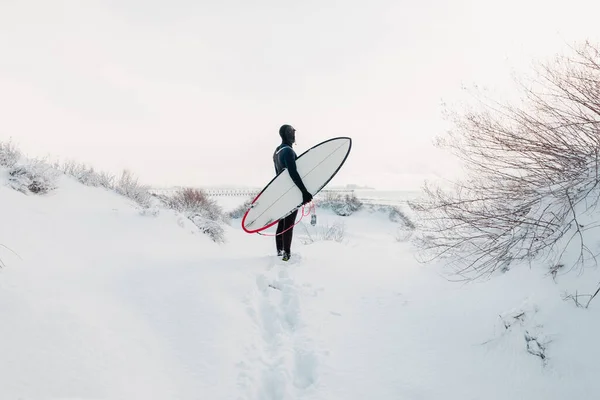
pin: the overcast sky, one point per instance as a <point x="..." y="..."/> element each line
<point x="193" y="92"/>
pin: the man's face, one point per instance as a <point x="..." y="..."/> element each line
<point x="292" y="135"/>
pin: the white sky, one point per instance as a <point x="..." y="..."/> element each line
<point x="193" y="92"/>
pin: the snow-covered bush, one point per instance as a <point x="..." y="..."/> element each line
<point x="196" y="201"/>
<point x="35" y="176"/>
<point x="239" y="211"/>
<point x="397" y="215"/>
<point x="39" y="177"/>
<point x="209" y="227"/>
<point x="335" y="232"/>
<point x="128" y="186"/>
<point x="407" y="227"/>
<point x="342" y="205"/>
<point x="9" y="154"/>
<point x="87" y="175"/>
<point x="204" y="212"/>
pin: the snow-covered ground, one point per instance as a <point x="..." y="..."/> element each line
<point x="99" y="301"/>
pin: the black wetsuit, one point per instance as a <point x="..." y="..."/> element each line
<point x="285" y="157"/>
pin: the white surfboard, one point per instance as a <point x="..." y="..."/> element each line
<point x="316" y="166"/>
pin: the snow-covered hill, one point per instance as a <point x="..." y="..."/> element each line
<point x="101" y="301"/>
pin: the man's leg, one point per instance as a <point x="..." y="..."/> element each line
<point x="289" y="233"/>
<point x="279" y="237"/>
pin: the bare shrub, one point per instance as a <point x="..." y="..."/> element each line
<point x="209" y="227"/>
<point x="129" y="186"/>
<point x="554" y="269"/>
<point x="9" y="154"/>
<point x="581" y="300"/>
<point x="531" y="170"/>
<point x="406" y="227"/>
<point x="196" y="201"/>
<point x="399" y="216"/>
<point x="335" y="232"/>
<point x="87" y="175"/>
<point x="36" y="177"/>
<point x="239" y="211"/>
<point x="403" y="234"/>
<point x="342" y="205"/>
<point x="203" y="211"/>
<point x="331" y="196"/>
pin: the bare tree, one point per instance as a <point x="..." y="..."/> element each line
<point x="532" y="172"/>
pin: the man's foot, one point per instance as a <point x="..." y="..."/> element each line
<point x="279" y="253"/>
<point x="286" y="257"/>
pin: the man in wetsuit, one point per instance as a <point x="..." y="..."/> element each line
<point x="285" y="158"/>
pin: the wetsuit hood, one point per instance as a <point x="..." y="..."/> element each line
<point x="288" y="134"/>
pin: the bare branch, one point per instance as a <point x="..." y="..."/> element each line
<point x="532" y="170"/>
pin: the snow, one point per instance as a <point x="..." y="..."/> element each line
<point x="102" y="301"/>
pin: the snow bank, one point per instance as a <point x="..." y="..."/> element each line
<point x="101" y="301"/>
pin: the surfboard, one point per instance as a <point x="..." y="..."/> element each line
<point x="280" y="197"/>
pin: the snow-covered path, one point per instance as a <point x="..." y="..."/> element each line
<point x="105" y="303"/>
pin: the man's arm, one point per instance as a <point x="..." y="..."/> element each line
<point x="289" y="162"/>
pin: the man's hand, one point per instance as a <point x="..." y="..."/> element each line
<point x="306" y="197"/>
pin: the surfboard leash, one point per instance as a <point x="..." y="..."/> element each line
<point x="311" y="209"/>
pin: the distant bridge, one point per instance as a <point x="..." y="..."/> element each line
<point x="235" y="192"/>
